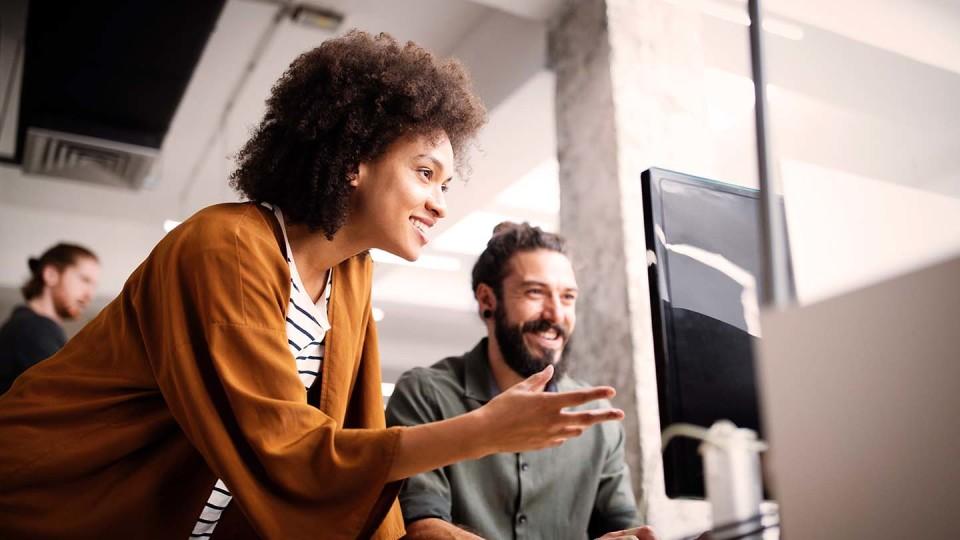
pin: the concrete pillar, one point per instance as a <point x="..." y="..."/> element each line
<point x="630" y="95"/>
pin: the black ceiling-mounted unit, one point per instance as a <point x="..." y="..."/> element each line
<point x="102" y="81"/>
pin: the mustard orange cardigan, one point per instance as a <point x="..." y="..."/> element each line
<point x="186" y="377"/>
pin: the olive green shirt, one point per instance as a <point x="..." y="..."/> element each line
<point x="578" y="490"/>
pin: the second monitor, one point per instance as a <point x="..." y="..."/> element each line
<point x="703" y="247"/>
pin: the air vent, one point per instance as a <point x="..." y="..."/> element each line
<point x="88" y="159"/>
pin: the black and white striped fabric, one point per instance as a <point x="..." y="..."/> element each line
<point x="307" y="326"/>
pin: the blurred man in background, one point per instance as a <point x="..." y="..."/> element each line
<point x="62" y="283"/>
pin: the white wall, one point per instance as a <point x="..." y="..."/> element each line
<point x="27" y="231"/>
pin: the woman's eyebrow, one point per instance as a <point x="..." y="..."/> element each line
<point x="435" y="161"/>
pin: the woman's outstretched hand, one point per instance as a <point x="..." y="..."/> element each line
<point x="525" y="418"/>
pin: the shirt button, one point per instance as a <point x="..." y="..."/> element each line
<point x="521" y="519"/>
<point x="524" y="466"/>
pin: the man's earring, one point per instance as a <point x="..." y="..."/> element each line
<point x="487" y="314"/>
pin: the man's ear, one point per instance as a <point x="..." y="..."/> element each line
<point x="486" y="300"/>
<point x="51" y="276"/>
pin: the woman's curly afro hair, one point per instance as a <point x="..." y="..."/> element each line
<point x="343" y="104"/>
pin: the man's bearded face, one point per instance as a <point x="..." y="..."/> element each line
<point x="521" y="357"/>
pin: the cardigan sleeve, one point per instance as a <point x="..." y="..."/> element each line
<point x="231" y="383"/>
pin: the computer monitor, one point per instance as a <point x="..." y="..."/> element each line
<point x="703" y="253"/>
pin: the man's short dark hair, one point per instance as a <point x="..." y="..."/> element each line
<point x="509" y="239"/>
<point x="342" y="104"/>
<point x="60" y="257"/>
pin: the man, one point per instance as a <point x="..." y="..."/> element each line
<point x="61" y="284"/>
<point x="526" y="293"/>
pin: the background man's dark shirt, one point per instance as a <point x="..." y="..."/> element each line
<point x="25" y="339"/>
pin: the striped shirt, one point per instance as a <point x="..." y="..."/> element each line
<point x="307" y="326"/>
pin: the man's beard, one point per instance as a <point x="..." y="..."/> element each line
<point x="66" y="310"/>
<point x="516" y="353"/>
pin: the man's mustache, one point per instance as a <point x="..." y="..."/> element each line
<point x="542" y="325"/>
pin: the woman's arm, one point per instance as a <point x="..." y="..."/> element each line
<point x="521" y="419"/>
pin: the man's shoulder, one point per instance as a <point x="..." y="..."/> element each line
<point x="445" y="376"/>
<point x="29" y="337"/>
<point x="24" y="319"/>
<point x="425" y="394"/>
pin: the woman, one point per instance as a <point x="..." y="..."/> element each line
<point x="233" y="388"/>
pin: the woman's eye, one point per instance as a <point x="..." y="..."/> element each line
<point x="426" y="173"/>
<point x="445" y="187"/>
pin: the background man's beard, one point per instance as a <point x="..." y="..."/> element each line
<point x="516" y="353"/>
<point x="63" y="307"/>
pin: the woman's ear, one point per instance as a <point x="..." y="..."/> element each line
<point x="355" y="177"/>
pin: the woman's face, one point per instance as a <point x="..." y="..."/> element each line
<point x="400" y="195"/>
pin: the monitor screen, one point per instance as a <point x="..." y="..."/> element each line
<point x="703" y="246"/>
